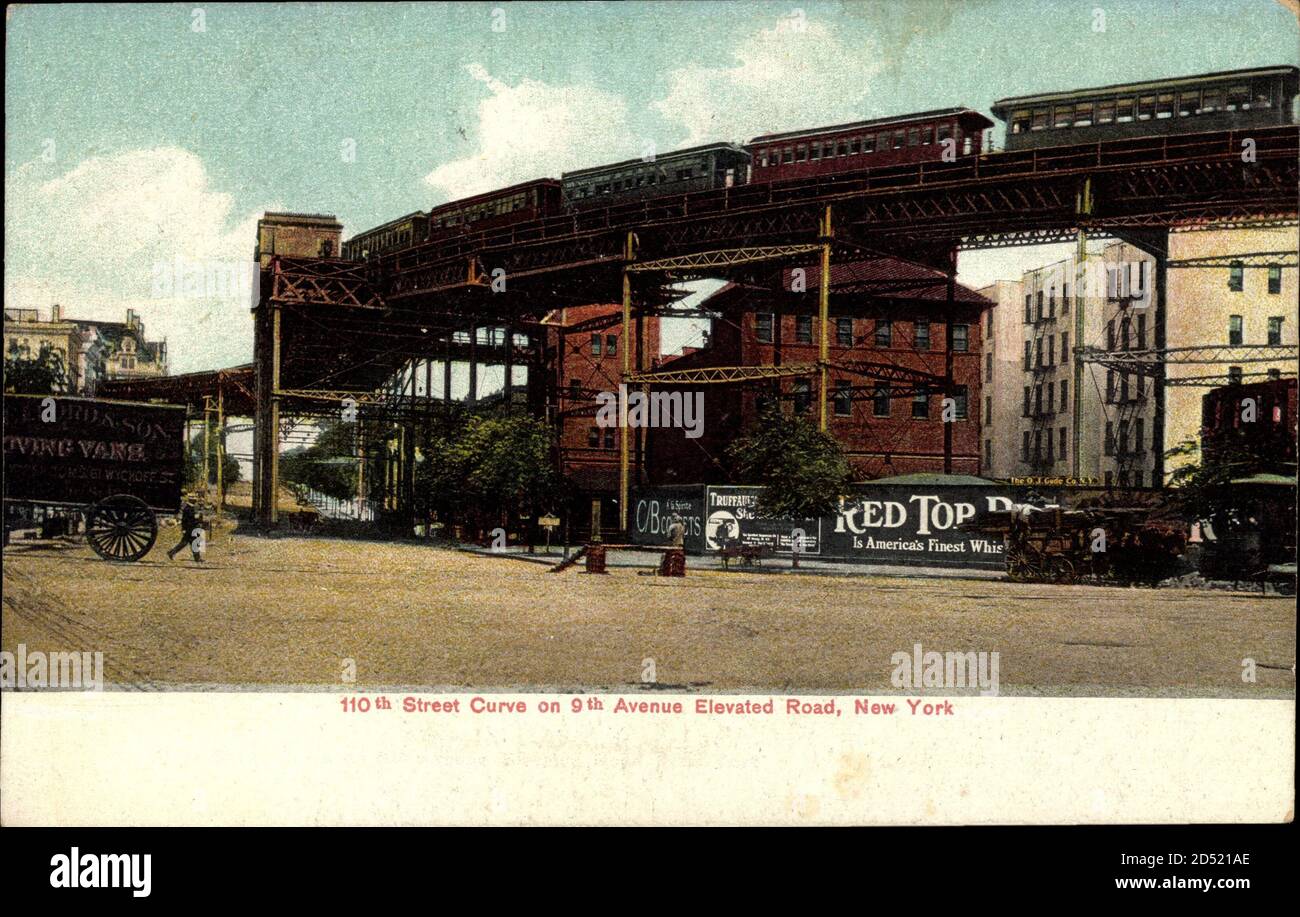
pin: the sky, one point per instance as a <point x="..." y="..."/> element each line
<point x="143" y="142"/>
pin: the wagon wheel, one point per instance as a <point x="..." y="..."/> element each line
<point x="121" y="528"/>
<point x="1061" y="569"/>
<point x="1019" y="568"/>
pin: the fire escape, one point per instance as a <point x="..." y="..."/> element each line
<point x="1042" y="409"/>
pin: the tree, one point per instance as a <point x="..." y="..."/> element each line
<point x="802" y="470"/>
<point x="1204" y="490"/>
<point x="328" y="465"/>
<point x="194" y="463"/>
<point x="43" y="375"/>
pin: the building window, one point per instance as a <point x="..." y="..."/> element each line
<point x="763" y="327"/>
<point x="1110" y="386"/>
<point x="1051" y="350"/>
<point x="1123" y="387"/>
<point x="1236" y="276"/>
<point x="1065" y="347"/>
<point x="1051" y="396"/>
<point x="843" y="398"/>
<point x="988" y="409"/>
<point x="1065" y="395"/>
<point x="593" y="437"/>
<point x="880" y="400"/>
<point x="1110" y="335"/>
<point x="988" y="367"/>
<point x="803" y="329"/>
<point x="611" y="345"/>
<point x="1038" y="446"/>
<point x="959" y="402"/>
<point x="1274" y="279"/>
<point x="1234" y="331"/>
<point x="960" y="338"/>
<point x="988" y="453"/>
<point x="1139" y="435"/>
<point x="921" y="406"/>
<point x="595" y="345"/>
<point x="1062" y="450"/>
<point x="1024" y="411"/>
<point x="844" y="332"/>
<point x="575" y="388"/>
<point x="1142" y="332"/>
<point x="988" y="324"/>
<point x="609" y="437"/>
<point x="1110" y="440"/>
<point x="1029" y="308"/>
<point x="1123" y="437"/>
<point x="1041" y="313"/>
<point x="1038" y="352"/>
<point x="1065" y="298"/>
<point x="1038" y="400"/>
<point x="1024" y="446"/>
<point x="1234" y="375"/>
<point x="884" y="333"/>
<point x="802" y="396"/>
<point x="1028" y="356"/>
<point x="922" y="335"/>
<point x="1275" y="330"/>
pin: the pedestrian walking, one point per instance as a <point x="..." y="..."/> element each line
<point x="190" y="533"/>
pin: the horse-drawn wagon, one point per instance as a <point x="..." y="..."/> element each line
<point x="118" y="463"/>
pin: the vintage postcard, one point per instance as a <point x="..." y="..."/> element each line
<point x="876" y="413"/>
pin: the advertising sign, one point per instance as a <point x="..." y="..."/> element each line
<point x="80" y="450"/>
<point x="732" y="519"/>
<point x="654" y="507"/>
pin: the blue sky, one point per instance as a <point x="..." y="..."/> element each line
<point x="135" y="137"/>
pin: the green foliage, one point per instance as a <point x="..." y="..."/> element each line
<point x="328" y="465"/>
<point x="43" y="375"/>
<point x="490" y="464"/>
<point x="802" y="470"/>
<point x="194" y="462"/>
<point x="1204" y="490"/>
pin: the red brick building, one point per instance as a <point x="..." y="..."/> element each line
<point x="883" y="312"/>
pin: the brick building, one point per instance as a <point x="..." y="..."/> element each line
<point x="886" y="313"/>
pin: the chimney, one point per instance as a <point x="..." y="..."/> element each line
<point x="131" y="319"/>
<point x="56" y="313"/>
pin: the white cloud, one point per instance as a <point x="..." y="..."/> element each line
<point x="91" y="239"/>
<point x="532" y="130"/>
<point x="795" y="74"/>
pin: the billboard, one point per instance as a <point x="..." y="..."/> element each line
<point x="653" y="509"/>
<point x="80" y="450"/>
<point x="890" y="523"/>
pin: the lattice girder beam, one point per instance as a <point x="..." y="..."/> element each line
<point x="721" y="375"/>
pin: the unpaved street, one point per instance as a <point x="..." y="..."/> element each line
<point x="290" y="611"/>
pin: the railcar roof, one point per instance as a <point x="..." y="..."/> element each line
<point x="873" y="122"/>
<point x="1144" y="84"/>
<point x="660" y="157"/>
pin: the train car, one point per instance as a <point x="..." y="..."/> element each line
<point x="1221" y="101"/>
<point x="392" y="236"/>
<point x="517" y="204"/>
<point x="699" y="168"/>
<point x="866" y="144"/>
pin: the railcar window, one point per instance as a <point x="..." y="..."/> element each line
<point x="816" y="152"/>
<point x="900" y="138"/>
<point x="1262" y="94"/>
<point x="927" y="134"/>
<point x="914" y="137"/>
<point x="1165" y="105"/>
<point x="1212" y="100"/>
<point x="1021" y="120"/>
<point x="1146" y="108"/>
<point x="788" y="156"/>
<point x="1041" y="116"/>
<point x="868" y="144"/>
<point x="1189" y="103"/>
<point x="853" y="147"/>
<point x="1123" y="110"/>
<point x="1106" y="111"/>
<point x="1083" y="114"/>
<point x="762" y="159"/>
<point x="1062" y="116"/>
<point x="1238" y="97"/>
<point x="800" y="153"/>
<point x="842" y="149"/>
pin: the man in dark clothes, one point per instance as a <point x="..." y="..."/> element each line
<point x="189" y="524"/>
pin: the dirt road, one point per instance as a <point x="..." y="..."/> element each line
<point x="291" y="611"/>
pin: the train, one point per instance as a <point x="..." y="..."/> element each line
<point x="1218" y="101"/>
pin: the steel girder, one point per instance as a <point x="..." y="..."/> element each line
<point x="891" y="372"/>
<point x="1151" y="362"/>
<point x="1283" y="258"/>
<point x="713" y="375"/>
